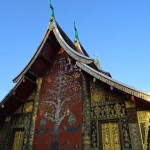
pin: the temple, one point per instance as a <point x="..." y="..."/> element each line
<point x="62" y="100"/>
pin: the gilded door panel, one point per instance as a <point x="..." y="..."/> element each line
<point x="110" y="136"/>
<point x="18" y="140"/>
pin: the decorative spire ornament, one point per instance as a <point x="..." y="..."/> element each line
<point x="52" y="8"/>
<point x="97" y="62"/>
<point x="76" y="40"/>
<point x="76" y="33"/>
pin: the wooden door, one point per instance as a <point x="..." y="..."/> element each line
<point x="110" y="136"/>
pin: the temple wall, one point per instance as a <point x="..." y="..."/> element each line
<point x="59" y="116"/>
<point x="71" y="111"/>
<point x="113" y="125"/>
<point x="17" y="135"/>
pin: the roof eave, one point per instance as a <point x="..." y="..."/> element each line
<point x="33" y="58"/>
<point x="11" y="91"/>
<point x="114" y="83"/>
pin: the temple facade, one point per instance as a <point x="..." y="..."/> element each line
<point x="63" y="101"/>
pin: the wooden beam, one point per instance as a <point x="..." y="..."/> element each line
<point x="46" y="60"/>
<point x="4" y="114"/>
<point x="18" y="99"/>
<point x="53" y="42"/>
<point x="32" y="73"/>
<point x="29" y="79"/>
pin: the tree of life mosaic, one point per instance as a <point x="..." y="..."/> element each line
<point x="59" y="118"/>
<point x="63" y="94"/>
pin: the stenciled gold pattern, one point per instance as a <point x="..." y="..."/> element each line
<point x="28" y="107"/>
<point x="34" y="115"/>
<point x="130" y="104"/>
<point x="94" y="142"/>
<point x="115" y="110"/>
<point x="125" y="133"/>
<point x="98" y="96"/>
<point x="106" y="106"/>
<point x="20" y="119"/>
<point x="135" y="136"/>
<point x="18" y="140"/>
<point x="144" y="117"/>
<point x="110" y="136"/>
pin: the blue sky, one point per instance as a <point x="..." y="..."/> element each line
<point x="116" y="31"/>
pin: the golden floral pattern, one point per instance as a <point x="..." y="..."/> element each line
<point x="110" y="136"/>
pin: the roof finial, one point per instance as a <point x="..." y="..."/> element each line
<point x="76" y="40"/>
<point x="97" y="62"/>
<point x="76" y="33"/>
<point x="52" y="8"/>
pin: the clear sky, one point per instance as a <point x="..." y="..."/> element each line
<point x="117" y="31"/>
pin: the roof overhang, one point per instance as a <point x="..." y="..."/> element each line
<point x="114" y="83"/>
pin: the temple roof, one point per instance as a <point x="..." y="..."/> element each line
<point x="64" y="42"/>
<point x="55" y="38"/>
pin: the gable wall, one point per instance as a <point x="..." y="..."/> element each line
<point x="59" y="116"/>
